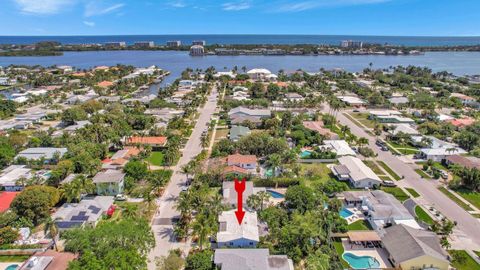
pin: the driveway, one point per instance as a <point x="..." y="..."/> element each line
<point x="166" y="213"/>
<point x="467" y="229"/>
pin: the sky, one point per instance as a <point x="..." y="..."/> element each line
<point x="322" y="17"/>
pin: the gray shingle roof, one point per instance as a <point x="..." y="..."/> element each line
<point x="251" y="259"/>
<point x="405" y="243"/>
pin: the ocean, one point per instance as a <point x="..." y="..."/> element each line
<point x="249" y="39"/>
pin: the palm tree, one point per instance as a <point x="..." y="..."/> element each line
<point x="201" y="228"/>
<point x="362" y="141"/>
<point x="52" y="229"/>
<point x="274" y="161"/>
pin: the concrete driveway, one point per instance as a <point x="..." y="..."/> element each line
<point x="166" y="213"/>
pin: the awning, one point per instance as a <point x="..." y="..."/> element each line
<point x="363" y="236"/>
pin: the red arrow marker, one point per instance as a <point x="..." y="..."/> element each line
<point x="240" y="188"/>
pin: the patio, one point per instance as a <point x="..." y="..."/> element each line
<point x="378" y="253"/>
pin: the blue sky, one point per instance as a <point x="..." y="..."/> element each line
<point x="329" y="17"/>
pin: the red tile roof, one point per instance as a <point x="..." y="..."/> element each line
<point x="148" y="140"/>
<point x="6" y="199"/>
<point x="462" y="122"/>
<point x="60" y="259"/>
<point x="241" y="159"/>
<point x="105" y="84"/>
<point x="234" y="169"/>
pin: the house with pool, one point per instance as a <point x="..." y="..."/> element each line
<point x="379" y="208"/>
<point x="410" y="248"/>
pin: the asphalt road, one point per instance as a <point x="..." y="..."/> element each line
<point x="467" y="231"/>
<point x="166" y="213"/>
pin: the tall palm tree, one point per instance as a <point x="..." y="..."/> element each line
<point x="52" y="229"/>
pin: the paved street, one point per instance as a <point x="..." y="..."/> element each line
<point x="467" y="232"/>
<point x="162" y="222"/>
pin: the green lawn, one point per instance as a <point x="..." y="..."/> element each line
<point x="371" y="164"/>
<point x="155" y="158"/>
<point x="315" y="172"/>
<point x="470" y="196"/>
<point x="423" y="216"/>
<point x="13" y="258"/>
<point x="413" y="192"/>
<point x="359" y="225"/>
<point x="455" y="199"/>
<point x="469" y="264"/>
<point x="422" y="174"/>
<point x="389" y="170"/>
<point x="363" y="118"/>
<point x="339" y="248"/>
<point x="384" y="177"/>
<point x="397" y="192"/>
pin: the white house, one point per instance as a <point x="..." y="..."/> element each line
<point x="231" y="234"/>
<point x="340" y="147"/>
<point x="356" y="172"/>
<point x="259" y="74"/>
<point x="47" y="153"/>
<point x="10" y="176"/>
<point x="381" y="209"/>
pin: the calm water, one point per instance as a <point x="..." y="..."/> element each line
<point x="249" y="39"/>
<point x="459" y="63"/>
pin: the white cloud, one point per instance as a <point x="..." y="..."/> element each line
<point x="307" y="5"/>
<point x="43" y="7"/>
<point x="235" y="6"/>
<point x="95" y="9"/>
<point x="88" y="23"/>
<point x="177" y="4"/>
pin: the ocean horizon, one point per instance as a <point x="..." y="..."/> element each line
<point x="226" y="39"/>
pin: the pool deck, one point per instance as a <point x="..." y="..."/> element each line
<point x="4" y="265"/>
<point x="378" y="253"/>
<point x="357" y="215"/>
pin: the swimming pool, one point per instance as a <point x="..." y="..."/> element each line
<point x="305" y="154"/>
<point x="275" y="194"/>
<point x="345" y="213"/>
<point x="12" y="267"/>
<point x="361" y="262"/>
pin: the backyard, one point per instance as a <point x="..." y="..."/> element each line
<point x="316" y="172"/>
<point x="155" y="158"/>
<point x="359" y="225"/>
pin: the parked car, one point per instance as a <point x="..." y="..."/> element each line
<point x="120" y="197"/>
<point x="384" y="148"/>
<point x="380" y="142"/>
<point x="388" y="183"/>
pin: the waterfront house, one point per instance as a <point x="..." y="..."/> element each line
<point x="260" y="74"/>
<point x="85" y="213"/>
<point x="410" y="248"/>
<point x="356" y="172"/>
<point x="233" y="235"/>
<point x="110" y="182"/>
<point x="252" y="259"/>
